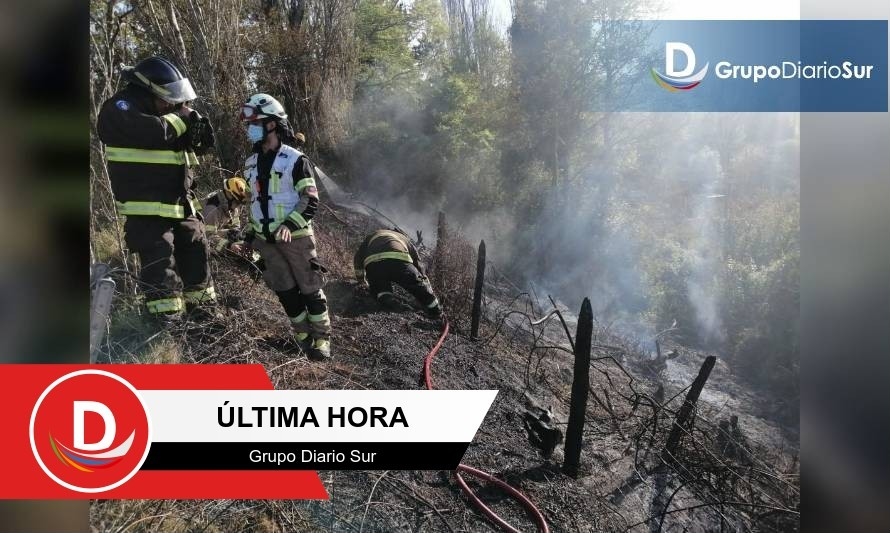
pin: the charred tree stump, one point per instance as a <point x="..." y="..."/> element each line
<point x="580" y="386"/>
<point x="669" y="454"/>
<point x="477" y="293"/>
<point x="440" y="229"/>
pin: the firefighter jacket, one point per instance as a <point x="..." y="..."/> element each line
<point x="147" y="157"/>
<point x="283" y="192"/>
<point x="384" y="244"/>
<point x="221" y="220"/>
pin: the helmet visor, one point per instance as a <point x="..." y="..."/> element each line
<point x="176" y="92"/>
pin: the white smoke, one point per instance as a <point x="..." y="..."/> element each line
<point x="706" y="250"/>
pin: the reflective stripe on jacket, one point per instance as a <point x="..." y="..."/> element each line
<point x="384" y="244"/>
<point x="276" y="202"/>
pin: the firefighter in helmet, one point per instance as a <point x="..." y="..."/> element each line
<point x="151" y="139"/>
<point x="284" y="199"/>
<point x="221" y="211"/>
<point x="386" y="257"/>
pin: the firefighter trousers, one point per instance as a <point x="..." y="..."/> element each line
<point x="382" y="274"/>
<point x="292" y="270"/>
<point x="173" y="255"/>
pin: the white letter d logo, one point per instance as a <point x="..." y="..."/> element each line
<point x="669" y="50"/>
<point x="81" y="408"/>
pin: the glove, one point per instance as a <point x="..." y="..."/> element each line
<point x="201" y="138"/>
<point x="207" y="139"/>
<point x="187" y="140"/>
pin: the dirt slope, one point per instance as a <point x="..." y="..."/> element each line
<point x="382" y="350"/>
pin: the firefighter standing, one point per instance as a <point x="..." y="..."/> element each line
<point x="284" y="199"/>
<point x="151" y="139"/>
<point x="386" y="257"/>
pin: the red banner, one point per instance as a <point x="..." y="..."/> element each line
<point x="82" y="432"/>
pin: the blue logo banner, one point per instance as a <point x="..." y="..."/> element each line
<point x="763" y="65"/>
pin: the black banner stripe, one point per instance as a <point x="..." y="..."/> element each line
<point x="304" y="456"/>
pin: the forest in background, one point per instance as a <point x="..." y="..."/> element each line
<point x="492" y="113"/>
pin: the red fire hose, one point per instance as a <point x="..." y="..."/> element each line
<point x="479" y="474"/>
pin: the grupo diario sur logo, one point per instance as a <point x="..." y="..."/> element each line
<point x="90" y="431"/>
<point x="679" y="80"/>
<point x="786" y="69"/>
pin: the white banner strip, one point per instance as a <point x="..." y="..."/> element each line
<point x="317" y="415"/>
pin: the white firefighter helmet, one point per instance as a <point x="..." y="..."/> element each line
<point x="260" y="106"/>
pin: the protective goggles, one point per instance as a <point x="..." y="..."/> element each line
<point x="250" y="112"/>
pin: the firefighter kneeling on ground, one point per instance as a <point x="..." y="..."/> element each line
<point x="386" y="257"/>
<point x="151" y="140"/>
<point x="284" y="200"/>
<point x="221" y="211"/>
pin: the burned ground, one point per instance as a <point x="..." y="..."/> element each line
<point x="623" y="485"/>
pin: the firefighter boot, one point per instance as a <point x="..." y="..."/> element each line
<point x="201" y="305"/>
<point x="203" y="313"/>
<point x="303" y="341"/>
<point x="167" y="320"/>
<point x="389" y="302"/>
<point x="320" y="350"/>
<point x="435" y="311"/>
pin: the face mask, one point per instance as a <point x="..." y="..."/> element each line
<point x="255" y="133"/>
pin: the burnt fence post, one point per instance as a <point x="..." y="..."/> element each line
<point x="669" y="455"/>
<point x="477" y="292"/>
<point x="580" y="387"/>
